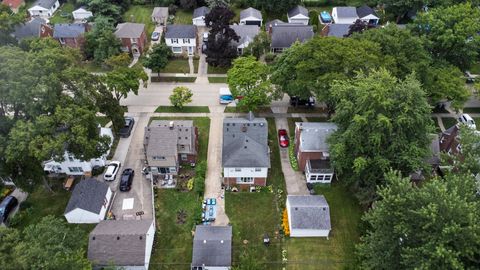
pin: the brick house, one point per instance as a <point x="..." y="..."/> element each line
<point x="245" y="152"/>
<point x="168" y="144"/>
<point x="132" y="36"/>
<point x="36" y="27"/>
<point x="70" y="34"/>
<point x="312" y="150"/>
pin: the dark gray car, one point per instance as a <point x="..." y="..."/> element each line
<point x="127" y="128"/>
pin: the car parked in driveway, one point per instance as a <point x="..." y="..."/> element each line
<point x="7" y="205"/>
<point x="155" y="36"/>
<point x="466" y="119"/>
<point x="297" y="101"/>
<point x="127" y="128"/>
<point x="283" y="138"/>
<point x="112" y="170"/>
<point x="126" y="179"/>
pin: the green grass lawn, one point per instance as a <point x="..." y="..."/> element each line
<point x="217" y="70"/>
<point x="338" y="251"/>
<point x="304" y="109"/>
<point x="177" y="65"/>
<point x="291" y="126"/>
<point x="183" y="17"/>
<point x="141" y="14"/>
<point x="449" y="122"/>
<point x="195" y="65"/>
<point x="64" y="9"/>
<point x="471" y="110"/>
<point x="174" y="79"/>
<point x="217" y="79"/>
<point x="239" y="110"/>
<point x="186" y="109"/>
<point x="475" y="68"/>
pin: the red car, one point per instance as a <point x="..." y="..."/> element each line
<point x="283" y="138"/>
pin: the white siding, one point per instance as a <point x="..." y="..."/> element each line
<point x="309" y="233"/>
<point x="245" y="172"/>
<point x="37" y="11"/>
<point x="216" y="268"/>
<point x="81" y="14"/>
<point x="149" y="244"/>
<point x="302" y="21"/>
<point x="178" y="42"/>
<point x="199" y="21"/>
<point x="82" y="216"/>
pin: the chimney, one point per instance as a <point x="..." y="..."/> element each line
<point x="170" y="125"/>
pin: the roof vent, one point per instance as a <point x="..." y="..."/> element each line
<point x="244" y="129"/>
<point x="93" y="238"/>
<point x="141" y="237"/>
<point x="171" y="124"/>
<point x="221" y="241"/>
<point x="204" y="241"/>
<point x="118" y="237"/>
<point x="296" y="208"/>
<point x="245" y="147"/>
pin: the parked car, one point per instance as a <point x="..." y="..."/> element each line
<point x="283" y="138"/>
<point x="204" y="48"/>
<point x="466" y="119"/>
<point x="205" y="36"/>
<point x="7" y="205"/>
<point x="297" y="101"/>
<point x="112" y="170"/>
<point x="126" y="179"/>
<point x="155" y="36"/>
<point x="127" y="129"/>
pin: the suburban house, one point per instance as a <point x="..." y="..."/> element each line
<point x="36" y="27"/>
<point x="308" y="216"/>
<point x="368" y="15"/>
<point x="245" y="154"/>
<point x="283" y="35"/>
<point x="125" y="244"/>
<point x="344" y="15"/>
<point x="89" y="202"/>
<point x="212" y="248"/>
<point x="132" y="36"/>
<point x="167" y="144"/>
<point x="44" y="8"/>
<point x="336" y="30"/>
<point x="70" y="34"/>
<point x="181" y="38"/>
<point x="251" y="16"/>
<point x="298" y="15"/>
<point x="81" y="14"/>
<point x="14" y="5"/>
<point x="449" y="142"/>
<point x="312" y="150"/>
<point x="74" y="166"/>
<point x="199" y="14"/>
<point x="160" y="15"/>
<point x="246" y="34"/>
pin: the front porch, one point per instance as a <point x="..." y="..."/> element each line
<point x="318" y="171"/>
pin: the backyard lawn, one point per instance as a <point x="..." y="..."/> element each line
<point x="183" y="17"/>
<point x="141" y="14"/>
<point x="64" y="13"/>
<point x="217" y="79"/>
<point x="186" y="109"/>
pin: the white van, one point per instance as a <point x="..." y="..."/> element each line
<point x="466" y="119"/>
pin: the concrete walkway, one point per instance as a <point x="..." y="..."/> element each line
<point x="134" y="61"/>
<point x="190" y="65"/>
<point x="202" y="65"/>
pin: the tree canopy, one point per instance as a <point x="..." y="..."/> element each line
<point x="181" y="95"/>
<point x="8" y="20"/>
<point x="101" y="43"/>
<point x="157" y="59"/>
<point x="275" y="7"/>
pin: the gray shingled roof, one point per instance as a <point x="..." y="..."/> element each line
<point x="245" y="142"/>
<point x="284" y="35"/>
<point x="434" y="158"/>
<point x="212" y="246"/>
<point x="180" y="31"/>
<point x="45" y="3"/>
<point x="298" y="10"/>
<point x="129" y="30"/>
<point x="200" y="12"/>
<point x="119" y="242"/>
<point x="313" y="136"/>
<point x="346" y="12"/>
<point x="88" y="195"/>
<point x="365" y="11"/>
<point x="29" y="29"/>
<point x="246" y="33"/>
<point x="250" y="12"/>
<point x="160" y="12"/>
<point x="309" y="212"/>
<point x="68" y="30"/>
<point x="338" y="30"/>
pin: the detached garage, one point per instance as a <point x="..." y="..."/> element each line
<point x="89" y="202"/>
<point x="308" y="216"/>
<point x="251" y="16"/>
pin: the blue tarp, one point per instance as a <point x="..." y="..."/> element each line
<point x="325" y="16"/>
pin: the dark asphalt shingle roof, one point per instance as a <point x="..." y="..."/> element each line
<point x="88" y="195"/>
<point x="68" y="30"/>
<point x="180" y="31"/>
<point x="346" y="12"/>
<point x="129" y="30"/>
<point x="119" y="242"/>
<point x="284" y="35"/>
<point x="338" y="30"/>
<point x="29" y="29"/>
<point x="200" y="12"/>
<point x="365" y="11"/>
<point x="45" y="3"/>
<point x="212" y="246"/>
<point x="298" y="10"/>
<point x="246" y="33"/>
<point x="250" y="12"/>
<point x="309" y="212"/>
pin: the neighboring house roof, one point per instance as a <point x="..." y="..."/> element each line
<point x="314" y="135"/>
<point x="338" y="30"/>
<point x="284" y="35"/>
<point x="129" y="30"/>
<point x="29" y="29"/>
<point x="212" y="246"/>
<point x="346" y="12"/>
<point x="309" y="212"/>
<point x="13" y="3"/>
<point x="119" y="242"/>
<point x="365" y="10"/>
<point x="298" y="10"/>
<point x="82" y="9"/>
<point x="246" y="33"/>
<point x="160" y="12"/>
<point x="274" y="22"/>
<point x="245" y="142"/>
<point x="200" y="12"/>
<point x="88" y="195"/>
<point x="448" y="139"/>
<point x="68" y="30"/>
<point x="250" y="12"/>
<point x="180" y="31"/>
<point x="45" y="3"/>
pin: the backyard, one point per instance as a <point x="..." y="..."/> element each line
<point x="141" y="14"/>
<point x="64" y="13"/>
<point x="183" y="16"/>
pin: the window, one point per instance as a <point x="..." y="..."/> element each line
<point x="183" y="157"/>
<point x="328" y="178"/>
<point x="133" y="40"/>
<point x="70" y="158"/>
<point x="186" y="41"/>
<point x="182" y="147"/>
<point x="173" y="169"/>
<point x="174" y="40"/>
<point x="238" y="169"/>
<point x="176" y="49"/>
<point x="62" y="41"/>
<point x="245" y="180"/>
<point x="75" y="169"/>
<point x="258" y="169"/>
<point x="313" y="177"/>
<point x="158" y="158"/>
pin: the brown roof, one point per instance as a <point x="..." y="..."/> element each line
<point x="13" y="3"/>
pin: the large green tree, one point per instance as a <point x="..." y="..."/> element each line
<point x="259" y="46"/>
<point x="123" y="80"/>
<point x="382" y="123"/>
<point x="158" y="57"/>
<point x="8" y="20"/>
<point x="9" y="239"/>
<point x="101" y="43"/>
<point x="109" y="9"/>
<point x="181" y="95"/>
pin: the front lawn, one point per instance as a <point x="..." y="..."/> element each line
<point x="141" y="14"/>
<point x="217" y="70"/>
<point x="177" y="65"/>
<point x="183" y="17"/>
<point x="174" y="79"/>
<point x="471" y="110"/>
<point x="217" y="79"/>
<point x="338" y="251"/>
<point x="63" y="14"/>
<point x="186" y="109"/>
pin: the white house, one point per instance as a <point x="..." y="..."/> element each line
<point x="89" y="202"/>
<point x="308" y="216"/>
<point x="125" y="244"/>
<point x="182" y="39"/>
<point x="298" y="15"/>
<point x="199" y="14"/>
<point x="81" y="14"/>
<point x="74" y="166"/>
<point x="44" y="8"/>
<point x="344" y="15"/>
<point x="212" y="248"/>
<point x="251" y="16"/>
<point x="246" y="34"/>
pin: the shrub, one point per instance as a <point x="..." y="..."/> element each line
<point x="313" y="18"/>
<point x="25" y="205"/>
<point x="199" y="185"/>
<point x="190" y="183"/>
<point x="270" y="57"/>
<point x="201" y="169"/>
